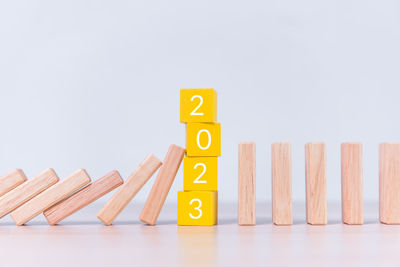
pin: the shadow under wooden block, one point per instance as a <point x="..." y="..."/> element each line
<point x="247" y="184"/>
<point x="352" y="183"/>
<point x="316" y="203"/>
<point x="50" y="197"/>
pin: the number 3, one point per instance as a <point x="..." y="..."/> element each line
<point x="194" y="112"/>
<point x="197" y="208"/>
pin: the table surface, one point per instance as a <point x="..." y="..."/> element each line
<point x="81" y="240"/>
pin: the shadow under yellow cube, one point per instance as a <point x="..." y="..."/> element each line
<point x="197" y="208"/>
<point x="203" y="139"/>
<point x="198" y="105"/>
<point x="200" y="174"/>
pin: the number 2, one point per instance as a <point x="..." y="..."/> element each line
<point x="197" y="208"/>
<point x="194" y="112"/>
<point x="197" y="180"/>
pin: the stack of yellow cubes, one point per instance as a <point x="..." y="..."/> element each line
<point x="198" y="202"/>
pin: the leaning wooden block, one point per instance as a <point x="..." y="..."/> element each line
<point x="316" y="204"/>
<point x="11" y="180"/>
<point x="162" y="185"/>
<point x="197" y="208"/>
<point x="203" y="139"/>
<point x="198" y="105"/>
<point x="281" y="184"/>
<point x="83" y="197"/>
<point x="26" y="191"/>
<point x="352" y="183"/>
<point x="389" y="183"/>
<point x="50" y="197"/>
<point x="129" y="189"/>
<point x="247" y="184"/>
<point x="200" y="174"/>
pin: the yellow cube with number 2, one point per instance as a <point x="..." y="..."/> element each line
<point x="197" y="208"/>
<point x="198" y="105"/>
<point x="203" y="139"/>
<point x="200" y="174"/>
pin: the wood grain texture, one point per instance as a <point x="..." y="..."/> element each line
<point x="352" y="183"/>
<point x="11" y="180"/>
<point x="129" y="189"/>
<point x="50" y="197"/>
<point x="389" y="183"/>
<point x="247" y="184"/>
<point x="281" y="184"/>
<point x="316" y="204"/>
<point x="162" y="185"/>
<point x="83" y="197"/>
<point x="26" y="191"/>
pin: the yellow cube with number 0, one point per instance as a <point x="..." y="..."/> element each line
<point x="198" y="105"/>
<point x="197" y="208"/>
<point x="200" y="174"/>
<point x="203" y="139"/>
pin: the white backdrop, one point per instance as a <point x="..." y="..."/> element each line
<point x="95" y="84"/>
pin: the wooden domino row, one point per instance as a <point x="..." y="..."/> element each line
<point x="315" y="176"/>
<point x="25" y="199"/>
<point x="198" y="202"/>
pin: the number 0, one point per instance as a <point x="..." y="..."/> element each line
<point x="209" y="139"/>
<point x="197" y="208"/>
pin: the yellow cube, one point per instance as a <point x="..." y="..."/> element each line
<point x="198" y="105"/>
<point x="197" y="208"/>
<point x="203" y="139"/>
<point x="200" y="174"/>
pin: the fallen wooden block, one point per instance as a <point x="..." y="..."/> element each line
<point x="247" y="184"/>
<point x="26" y="191"/>
<point x="316" y="184"/>
<point x="50" y="197"/>
<point x="389" y="183"/>
<point x="281" y="184"/>
<point x="83" y="197"/>
<point x="11" y="180"/>
<point x="352" y="183"/>
<point x="129" y="189"/>
<point x="162" y="185"/>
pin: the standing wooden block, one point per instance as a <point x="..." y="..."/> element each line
<point x="316" y="184"/>
<point x="389" y="183"/>
<point x="27" y="191"/>
<point x="50" y="197"/>
<point x="281" y="184"/>
<point x="129" y="189"/>
<point x="11" y="180"/>
<point x="83" y="197"/>
<point x="162" y="185"/>
<point x="352" y="183"/>
<point x="247" y="184"/>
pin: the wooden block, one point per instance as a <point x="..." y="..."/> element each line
<point x="129" y="189"/>
<point x="200" y="174"/>
<point x="316" y="184"/>
<point x="203" y="139"/>
<point x="26" y="191"/>
<point x="11" y="180"/>
<point x="162" y="185"/>
<point x="198" y="105"/>
<point x="247" y="184"/>
<point x="197" y="208"/>
<point x="281" y="184"/>
<point x="83" y="197"/>
<point x="352" y="183"/>
<point x="389" y="183"/>
<point x="50" y="197"/>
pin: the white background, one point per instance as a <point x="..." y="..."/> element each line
<point x="95" y="84"/>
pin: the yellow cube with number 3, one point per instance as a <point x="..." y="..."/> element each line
<point x="197" y="208"/>
<point x="203" y="139"/>
<point x="198" y="105"/>
<point x="200" y="174"/>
